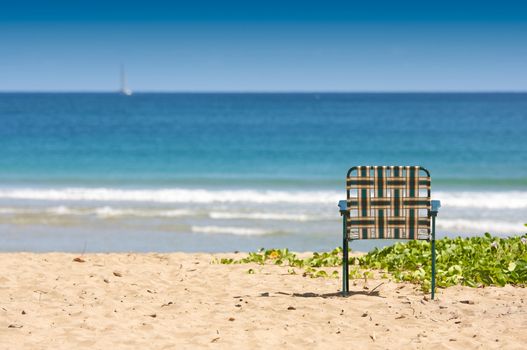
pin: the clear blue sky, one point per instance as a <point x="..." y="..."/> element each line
<point x="264" y="46"/>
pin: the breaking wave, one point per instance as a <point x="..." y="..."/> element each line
<point x="170" y="195"/>
<point x="489" y="199"/>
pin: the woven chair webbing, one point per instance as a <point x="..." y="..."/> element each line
<point x="388" y="202"/>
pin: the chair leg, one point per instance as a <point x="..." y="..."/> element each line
<point x="347" y="268"/>
<point x="345" y="261"/>
<point x="433" y="256"/>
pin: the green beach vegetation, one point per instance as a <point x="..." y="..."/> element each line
<point x="473" y="261"/>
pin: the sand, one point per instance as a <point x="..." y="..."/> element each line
<point x="182" y="301"/>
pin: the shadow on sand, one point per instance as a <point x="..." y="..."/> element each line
<point x="373" y="293"/>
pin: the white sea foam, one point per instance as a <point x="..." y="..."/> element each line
<point x="62" y="210"/>
<point x="267" y="216"/>
<point x="112" y="212"/>
<point x="57" y="211"/>
<point x="241" y="231"/>
<point x="102" y="212"/>
<point x="472" y="226"/>
<point x="486" y="199"/>
<point x="174" y="213"/>
<point x="170" y="195"/>
<point x="108" y="212"/>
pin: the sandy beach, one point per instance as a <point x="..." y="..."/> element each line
<point x="179" y="300"/>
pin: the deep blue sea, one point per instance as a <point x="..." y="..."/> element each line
<point x="223" y="172"/>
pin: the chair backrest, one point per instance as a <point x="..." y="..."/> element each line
<point x="388" y="202"/>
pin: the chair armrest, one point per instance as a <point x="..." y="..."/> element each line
<point x="436" y="204"/>
<point x="343" y="206"/>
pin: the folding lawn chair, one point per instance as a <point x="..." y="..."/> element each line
<point x="387" y="202"/>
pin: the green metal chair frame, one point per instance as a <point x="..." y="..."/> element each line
<point x="387" y="202"/>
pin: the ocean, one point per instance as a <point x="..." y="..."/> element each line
<point x="213" y="172"/>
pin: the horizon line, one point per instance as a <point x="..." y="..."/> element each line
<point x="265" y="91"/>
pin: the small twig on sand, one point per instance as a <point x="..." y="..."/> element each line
<point x="373" y="290"/>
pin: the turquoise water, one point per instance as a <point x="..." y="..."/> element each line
<point x="170" y="171"/>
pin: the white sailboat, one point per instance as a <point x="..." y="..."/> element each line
<point x="124" y="88"/>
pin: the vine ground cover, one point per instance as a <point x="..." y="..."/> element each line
<point x="474" y="262"/>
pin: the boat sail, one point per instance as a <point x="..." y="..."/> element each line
<point x="124" y="88"/>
